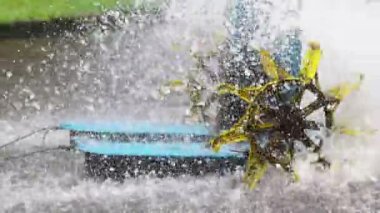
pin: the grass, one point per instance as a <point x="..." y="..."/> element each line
<point x="44" y="10"/>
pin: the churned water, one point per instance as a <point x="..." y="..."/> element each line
<point x="115" y="72"/>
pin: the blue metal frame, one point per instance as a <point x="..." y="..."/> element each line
<point x="137" y="128"/>
<point x="156" y="149"/>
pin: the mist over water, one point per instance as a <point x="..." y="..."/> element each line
<point x="115" y="75"/>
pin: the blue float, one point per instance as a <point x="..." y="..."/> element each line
<point x="122" y="149"/>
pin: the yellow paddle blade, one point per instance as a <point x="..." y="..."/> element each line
<point x="230" y="136"/>
<point x="257" y="171"/>
<point x="226" y="88"/>
<point x="245" y="94"/>
<point x="296" y="177"/>
<point x="354" y="132"/>
<point x="283" y="74"/>
<point x="264" y="126"/>
<point x="175" y="83"/>
<point x="310" y="62"/>
<point x="343" y="90"/>
<point x="256" y="168"/>
<point x="269" y="66"/>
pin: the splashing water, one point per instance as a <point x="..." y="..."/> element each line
<point x="114" y="75"/>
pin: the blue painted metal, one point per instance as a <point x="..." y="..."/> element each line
<point x="156" y="149"/>
<point x="137" y="128"/>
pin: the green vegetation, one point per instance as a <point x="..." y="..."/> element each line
<point x="44" y="10"/>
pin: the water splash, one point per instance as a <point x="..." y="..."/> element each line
<point x="106" y="75"/>
<point x="348" y="41"/>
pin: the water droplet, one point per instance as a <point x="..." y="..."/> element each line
<point x="9" y="74"/>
